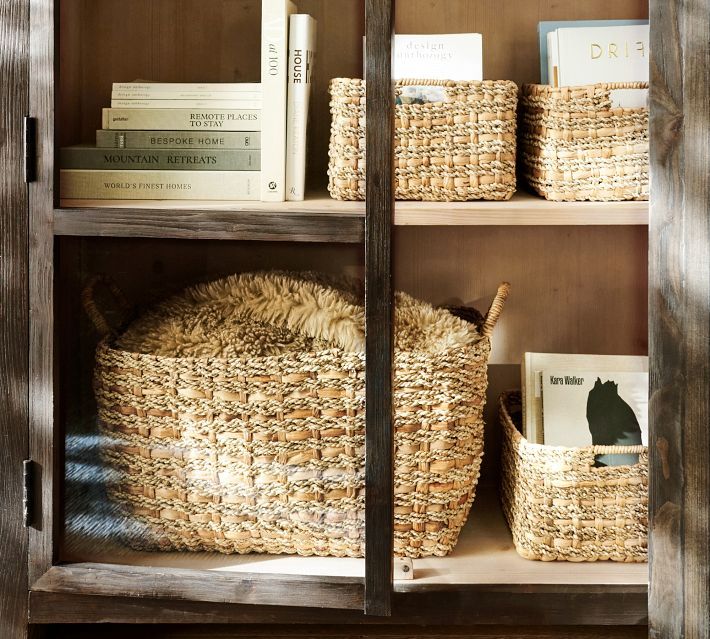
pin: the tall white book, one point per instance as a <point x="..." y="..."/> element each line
<point x="589" y="55"/>
<point x="274" y="81"/>
<point x="301" y="56"/>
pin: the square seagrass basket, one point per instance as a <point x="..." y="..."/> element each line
<point x="456" y="150"/>
<point x="575" y="146"/>
<point x="560" y="506"/>
<point x="266" y="453"/>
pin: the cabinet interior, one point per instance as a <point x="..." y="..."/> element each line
<point x="576" y="287"/>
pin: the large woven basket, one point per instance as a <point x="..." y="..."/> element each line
<point x="560" y="506"/>
<point x="575" y="146"/>
<point x="266" y="454"/>
<point x="460" y="149"/>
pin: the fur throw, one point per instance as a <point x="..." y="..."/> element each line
<point x="272" y="313"/>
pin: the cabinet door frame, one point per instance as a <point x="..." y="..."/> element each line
<point x="679" y="314"/>
<point x="14" y="383"/>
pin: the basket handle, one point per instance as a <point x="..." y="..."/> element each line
<point x="88" y="300"/>
<point x="495" y="309"/>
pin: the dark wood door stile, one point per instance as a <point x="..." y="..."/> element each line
<point x="679" y="320"/>
<point x="379" y="447"/>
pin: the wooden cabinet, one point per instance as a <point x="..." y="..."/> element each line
<point x="587" y="277"/>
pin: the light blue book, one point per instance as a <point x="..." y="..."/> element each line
<point x="543" y="28"/>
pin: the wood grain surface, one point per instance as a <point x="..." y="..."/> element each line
<point x="679" y="296"/>
<point x="43" y="446"/>
<point x="14" y="43"/>
<point x="379" y="309"/>
<point x="355" y="632"/>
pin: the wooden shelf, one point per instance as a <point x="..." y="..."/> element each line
<point x="317" y="219"/>
<point x="320" y="218"/>
<point x="523" y="209"/>
<point x="483" y="555"/>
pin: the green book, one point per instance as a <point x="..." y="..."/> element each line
<point x="106" y="138"/>
<point x="89" y="157"/>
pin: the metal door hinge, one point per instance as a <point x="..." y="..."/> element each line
<point x="30" y="140"/>
<point x="28" y="502"/>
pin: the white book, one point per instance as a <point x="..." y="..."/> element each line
<point x="533" y="365"/>
<point x="122" y="184"/>
<point x="585" y="408"/>
<point x="137" y="94"/>
<point x="150" y="87"/>
<point x="455" y="56"/>
<point x="590" y="55"/>
<point x="274" y="80"/>
<point x="182" y="119"/>
<point x="184" y="104"/>
<point x="302" y="49"/>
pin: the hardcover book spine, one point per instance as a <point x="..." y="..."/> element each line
<point x="160" y="159"/>
<point x="159" y="185"/>
<point x="177" y="140"/>
<point x="184" y="104"/>
<point x="151" y="87"/>
<point x="134" y="94"/>
<point x="182" y="119"/>
<point x="302" y="48"/>
<point x="274" y="79"/>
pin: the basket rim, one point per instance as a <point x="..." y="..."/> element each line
<point x="430" y="82"/>
<point x="106" y="344"/>
<point x="522" y="441"/>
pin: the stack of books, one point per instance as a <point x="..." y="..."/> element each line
<point x="238" y="141"/>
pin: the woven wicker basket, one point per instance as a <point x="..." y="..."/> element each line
<point x="575" y="146"/>
<point x="266" y="454"/>
<point x="461" y="149"/>
<point x="559" y="506"/>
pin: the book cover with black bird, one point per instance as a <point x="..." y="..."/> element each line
<point x="593" y="408"/>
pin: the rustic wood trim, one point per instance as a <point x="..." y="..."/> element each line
<point x="42" y="437"/>
<point x="210" y="224"/>
<point x="483" y="605"/>
<point x="14" y="95"/>
<point x="679" y="300"/>
<point x="340" y="631"/>
<point x="379" y="450"/>
<point x="111" y="580"/>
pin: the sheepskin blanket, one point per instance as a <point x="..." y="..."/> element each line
<point x="272" y="313"/>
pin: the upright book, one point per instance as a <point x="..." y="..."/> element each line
<point x="585" y="408"/>
<point x="533" y="366"/>
<point x="446" y="56"/>
<point x="274" y="80"/>
<point x="543" y="28"/>
<point x="302" y="49"/>
<point x="590" y="55"/>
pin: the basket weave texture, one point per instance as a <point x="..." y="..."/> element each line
<point x="559" y="506"/>
<point x="575" y="146"/>
<point x="266" y="453"/>
<point x="461" y="149"/>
